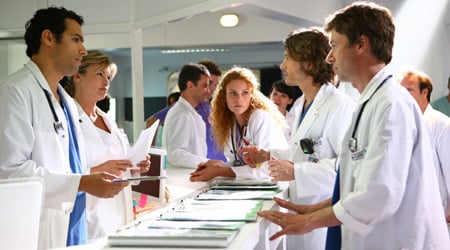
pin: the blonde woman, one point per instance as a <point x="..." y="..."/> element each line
<point x="241" y="116"/>
<point x="106" y="146"/>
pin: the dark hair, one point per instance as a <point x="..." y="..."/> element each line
<point x="310" y="46"/>
<point x="212" y="67"/>
<point x="104" y="104"/>
<point x="175" y="95"/>
<point x="282" y="87"/>
<point x="368" y="19"/>
<point x="191" y="72"/>
<point x="53" y="19"/>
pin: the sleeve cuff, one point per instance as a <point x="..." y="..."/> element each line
<point x="348" y="221"/>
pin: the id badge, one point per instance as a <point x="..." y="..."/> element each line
<point x="313" y="158"/>
<point x="358" y="155"/>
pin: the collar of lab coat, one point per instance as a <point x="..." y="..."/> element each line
<point x="38" y="75"/>
<point x="372" y="86"/>
<point x="324" y="91"/>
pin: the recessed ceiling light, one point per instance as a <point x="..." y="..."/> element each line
<point x="229" y="20"/>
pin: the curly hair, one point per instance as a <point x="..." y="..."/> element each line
<point x="222" y="119"/>
<point x="53" y="19"/>
<point x="311" y="46"/>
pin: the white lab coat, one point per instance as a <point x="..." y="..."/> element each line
<point x="262" y="131"/>
<point x="439" y="129"/>
<point x="105" y="216"/>
<point x="184" y="136"/>
<point x="389" y="197"/>
<point x="31" y="147"/>
<point x="325" y="122"/>
<point x="290" y="118"/>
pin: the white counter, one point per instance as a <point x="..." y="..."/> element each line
<point x="251" y="236"/>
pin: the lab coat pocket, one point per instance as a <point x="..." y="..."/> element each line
<point x="49" y="141"/>
<point x="357" y="160"/>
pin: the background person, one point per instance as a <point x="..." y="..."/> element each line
<point x="204" y="109"/>
<point x="106" y="145"/>
<point x="40" y="129"/>
<point x="284" y="96"/>
<point x="443" y="104"/>
<point x="183" y="121"/>
<point x="241" y="116"/>
<point x="420" y="87"/>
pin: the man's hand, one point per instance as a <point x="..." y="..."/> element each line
<point x="306" y="218"/>
<point x="100" y="185"/>
<point x="253" y="156"/>
<point x="281" y="170"/>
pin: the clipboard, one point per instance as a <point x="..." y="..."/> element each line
<point x="140" y="178"/>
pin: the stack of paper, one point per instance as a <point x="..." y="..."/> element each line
<point x="147" y="237"/>
<point x="190" y="223"/>
<point x="214" y="210"/>
<point x="243" y="184"/>
<point x="218" y="194"/>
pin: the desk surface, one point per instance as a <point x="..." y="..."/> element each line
<point x="251" y="236"/>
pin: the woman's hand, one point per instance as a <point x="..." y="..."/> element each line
<point x="114" y="167"/>
<point x="144" y="166"/>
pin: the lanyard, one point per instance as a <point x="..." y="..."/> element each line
<point x="353" y="143"/>
<point x="237" y="159"/>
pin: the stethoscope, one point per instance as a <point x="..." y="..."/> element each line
<point x="237" y="161"/>
<point x="353" y="142"/>
<point x="57" y="124"/>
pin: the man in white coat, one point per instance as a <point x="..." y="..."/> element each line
<point x="386" y="195"/>
<point x="184" y="133"/>
<point x="321" y="119"/>
<point x="40" y="132"/>
<point x="420" y="87"/>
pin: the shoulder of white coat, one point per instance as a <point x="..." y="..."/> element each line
<point x="259" y="115"/>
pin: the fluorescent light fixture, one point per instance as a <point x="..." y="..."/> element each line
<point x="229" y="20"/>
<point x="193" y="50"/>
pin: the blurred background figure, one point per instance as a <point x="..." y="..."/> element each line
<point x="420" y="87"/>
<point x="284" y="96"/>
<point x="443" y="104"/>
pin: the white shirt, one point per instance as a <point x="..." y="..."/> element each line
<point x="105" y="216"/>
<point x="389" y="198"/>
<point x="31" y="147"/>
<point x="184" y="136"/>
<point x="439" y="127"/>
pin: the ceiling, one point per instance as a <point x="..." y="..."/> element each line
<point x="120" y="18"/>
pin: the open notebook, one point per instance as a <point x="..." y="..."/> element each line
<point x="22" y="201"/>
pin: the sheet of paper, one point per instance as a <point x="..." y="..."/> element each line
<point x="140" y="149"/>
